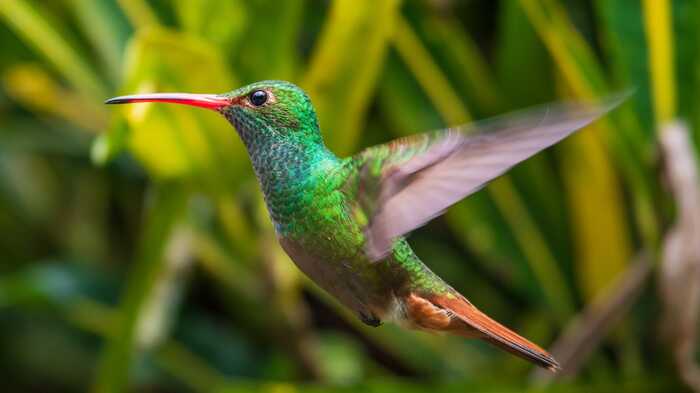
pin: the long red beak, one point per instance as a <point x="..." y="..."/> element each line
<point x="209" y="101"/>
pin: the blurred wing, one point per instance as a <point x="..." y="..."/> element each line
<point x="405" y="183"/>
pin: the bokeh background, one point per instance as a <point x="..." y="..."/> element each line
<point x="136" y="253"/>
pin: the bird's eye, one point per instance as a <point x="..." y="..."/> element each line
<point x="258" y="97"/>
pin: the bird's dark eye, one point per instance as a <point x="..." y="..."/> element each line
<point x="258" y="97"/>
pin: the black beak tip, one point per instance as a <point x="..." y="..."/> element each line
<point x="115" y="100"/>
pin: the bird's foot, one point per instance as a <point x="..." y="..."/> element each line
<point x="370" y="320"/>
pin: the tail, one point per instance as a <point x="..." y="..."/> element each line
<point x="477" y="324"/>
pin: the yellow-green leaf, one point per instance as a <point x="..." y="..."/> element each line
<point x="345" y="65"/>
<point x="176" y="141"/>
<point x="45" y="38"/>
<point x="598" y="222"/>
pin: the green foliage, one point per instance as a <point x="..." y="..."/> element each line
<point x="136" y="247"/>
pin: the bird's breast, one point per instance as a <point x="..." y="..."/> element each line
<point x="313" y="210"/>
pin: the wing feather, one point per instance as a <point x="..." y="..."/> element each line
<point x="409" y="181"/>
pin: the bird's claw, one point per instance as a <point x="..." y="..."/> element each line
<point x="370" y="320"/>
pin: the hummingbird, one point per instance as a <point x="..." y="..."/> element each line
<point x="344" y="221"/>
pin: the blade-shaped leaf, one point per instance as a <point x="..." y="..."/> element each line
<point x="222" y="23"/>
<point x="270" y="47"/>
<point x="107" y="29"/>
<point x="345" y="65"/>
<point x="36" y="89"/>
<point x="45" y="38"/>
<point x="594" y="195"/>
<point x="176" y="141"/>
<point x="657" y="17"/>
<point x="166" y="209"/>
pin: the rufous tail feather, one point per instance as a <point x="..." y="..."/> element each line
<point x="492" y="331"/>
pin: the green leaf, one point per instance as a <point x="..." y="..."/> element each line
<point x="598" y="216"/>
<point x="71" y="291"/>
<point x="42" y="283"/>
<point x="166" y="209"/>
<point x="686" y="22"/>
<point x="522" y="65"/>
<point x="622" y="29"/>
<point x="659" y="33"/>
<point x="35" y="88"/>
<point x="176" y="142"/>
<point x="107" y="29"/>
<point x="42" y="34"/>
<point x="345" y="65"/>
<point x="463" y="61"/>
<point x="221" y="23"/>
<point x="433" y="81"/>
<point x="139" y="12"/>
<point x="270" y="48"/>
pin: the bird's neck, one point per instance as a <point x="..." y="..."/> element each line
<point x="282" y="161"/>
<point x="289" y="173"/>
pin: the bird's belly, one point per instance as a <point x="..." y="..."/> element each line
<point x="361" y="291"/>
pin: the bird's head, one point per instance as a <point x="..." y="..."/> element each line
<point x="262" y="112"/>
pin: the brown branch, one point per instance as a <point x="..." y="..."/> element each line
<point x="679" y="275"/>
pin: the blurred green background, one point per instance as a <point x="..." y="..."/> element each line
<point x="137" y="254"/>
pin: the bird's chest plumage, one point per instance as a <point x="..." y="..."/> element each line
<point x="317" y="218"/>
<point x="318" y="226"/>
<point x="314" y="221"/>
<point x="326" y="244"/>
<point x="306" y="203"/>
